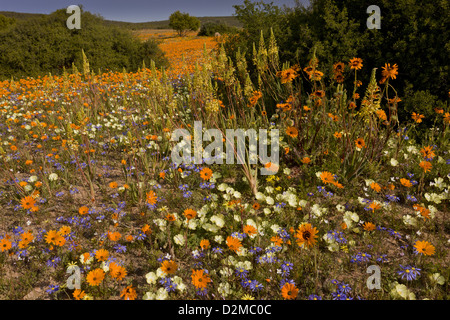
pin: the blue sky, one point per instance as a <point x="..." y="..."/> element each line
<point x="135" y="10"/>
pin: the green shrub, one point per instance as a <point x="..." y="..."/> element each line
<point x="6" y="22"/>
<point x="210" y="28"/>
<point x="41" y="45"/>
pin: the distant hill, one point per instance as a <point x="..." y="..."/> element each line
<point x="164" y="24"/>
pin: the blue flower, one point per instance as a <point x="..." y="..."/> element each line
<point x="241" y="272"/>
<point x="217" y="250"/>
<point x="338" y="296"/>
<point x="286" y="268"/>
<point x="52" y="289"/>
<point x="17" y="230"/>
<point x="409" y="272"/>
<point x="314" y="297"/>
<point x="120" y="248"/>
<point x="53" y="262"/>
<point x="255" y="285"/>
<point x="141" y="235"/>
<point x="187" y="194"/>
<point x="344" y="288"/>
<point x="169" y="285"/>
<point x="202" y="292"/>
<point x="245" y="282"/>
<point x="284" y="281"/>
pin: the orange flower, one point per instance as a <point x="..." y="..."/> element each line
<point x="28" y="202"/>
<point x="369" y="226"/>
<point x="425" y="248"/>
<point x="447" y="117"/>
<point x="204" y="244"/>
<point x="27" y="237"/>
<point x="83" y="210"/>
<point x="405" y="182"/>
<point x="424" y="212"/>
<point x="306" y="160"/>
<point x="292" y="132"/>
<point x="114" y="236"/>
<point x="78" y="294"/>
<point x="427" y="152"/>
<point x="417" y="117"/>
<point x="200" y="279"/>
<point x="113" y="185"/>
<point x="306" y="235"/>
<point x="169" y="266"/>
<point x="356" y="63"/>
<point x="129" y="293"/>
<point x="250" y="230"/>
<point x="289" y="291"/>
<point x="170" y="217"/>
<point x="5" y="244"/>
<point x="206" y="173"/>
<point x="152" y="198"/>
<point x="287" y="75"/>
<point x="51" y="236"/>
<point x="339" y="67"/>
<point x="190" y="214"/>
<point x="102" y="255"/>
<point x="360" y="143"/>
<point x="375" y="186"/>
<point x="277" y="241"/>
<point x="426" y="166"/>
<point x="146" y="229"/>
<point x="326" y="177"/>
<point x="337" y="135"/>
<point x="389" y="72"/>
<point x="233" y="243"/>
<point x="381" y="114"/>
<point x="64" y="230"/>
<point x="95" y="277"/>
<point x="116" y="271"/>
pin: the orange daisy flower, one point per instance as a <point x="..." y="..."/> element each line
<point x="102" y="255"/>
<point x="206" y="173"/>
<point x="292" y="132"/>
<point x="129" y="293"/>
<point x="356" y="63"/>
<point x="204" y="244"/>
<point x="425" y="248"/>
<point x="95" y="277"/>
<point x="200" y="279"/>
<point x="306" y="235"/>
<point x="233" y="243"/>
<point x="190" y="214"/>
<point x="169" y="266"/>
<point x="289" y="291"/>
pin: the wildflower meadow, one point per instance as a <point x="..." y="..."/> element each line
<point x="94" y="207"/>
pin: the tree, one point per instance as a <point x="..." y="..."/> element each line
<point x="182" y="22"/>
